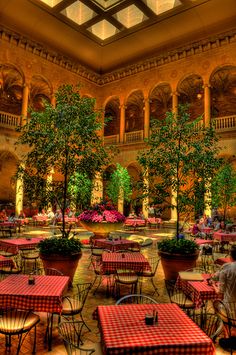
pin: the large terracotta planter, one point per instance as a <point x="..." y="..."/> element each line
<point x="66" y="264"/>
<point x="173" y="263"/>
<point x="101" y="230"/>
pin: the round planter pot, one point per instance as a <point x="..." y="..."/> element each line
<point x="173" y="263"/>
<point x="66" y="264"/>
<point x="101" y="230"/>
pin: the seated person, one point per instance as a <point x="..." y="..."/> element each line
<point x="132" y="214"/>
<point x="22" y="215"/>
<point x="12" y="217"/>
<point x="197" y="230"/>
<point x="3" y="216"/>
<point x="50" y="214"/>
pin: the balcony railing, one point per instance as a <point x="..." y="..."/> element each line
<point x="222" y="124"/>
<point x="111" y="139"/>
<point x="8" y="120"/>
<point x="225" y="124"/>
<point x="133" y="137"/>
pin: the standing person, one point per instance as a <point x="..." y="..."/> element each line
<point x="227" y="290"/>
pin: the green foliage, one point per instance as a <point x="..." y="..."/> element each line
<point x="119" y="185"/>
<point x="80" y="190"/>
<point x="63" y="138"/>
<point x="178" y="246"/>
<point x="59" y="245"/>
<point x="181" y="159"/>
<point x="224" y="188"/>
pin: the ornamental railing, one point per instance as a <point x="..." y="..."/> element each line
<point x="8" y="120"/>
<point x="225" y="124"/>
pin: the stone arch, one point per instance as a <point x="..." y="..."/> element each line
<point x="11" y="88"/>
<point x="134" y="113"/>
<point x="160" y="101"/>
<point x="40" y="90"/>
<point x="223" y="91"/>
<point x="190" y="90"/>
<point x="112" y="112"/>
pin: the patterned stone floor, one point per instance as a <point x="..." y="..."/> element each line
<point x="84" y="273"/>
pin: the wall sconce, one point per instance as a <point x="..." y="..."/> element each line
<point x="199" y="96"/>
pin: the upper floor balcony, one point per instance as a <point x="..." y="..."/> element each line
<point x="225" y="124"/>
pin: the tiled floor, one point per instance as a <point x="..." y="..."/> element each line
<point x="85" y="274"/>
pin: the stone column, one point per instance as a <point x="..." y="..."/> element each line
<point x="145" y="205"/>
<point x="97" y="192"/>
<point x="146" y="117"/>
<point x="207" y="105"/>
<point x="122" y="123"/>
<point x="175" y="102"/>
<point x="19" y="196"/>
<point x="53" y="101"/>
<point x="121" y="201"/>
<point x="25" y="99"/>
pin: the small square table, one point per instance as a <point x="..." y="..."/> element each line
<point x="125" y="261"/>
<point x="198" y="291"/>
<point x="44" y="296"/>
<point x="123" y="331"/>
<point x="14" y="245"/>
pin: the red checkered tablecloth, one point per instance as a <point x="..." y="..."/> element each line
<point x="225" y="237"/>
<point x="13" y="245"/>
<point x="203" y="241"/>
<point x="199" y="291"/>
<point x="123" y="331"/>
<point x="115" y="244"/>
<point x="44" y="296"/>
<point x="127" y="261"/>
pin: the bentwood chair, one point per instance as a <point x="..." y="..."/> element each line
<point x="227" y="312"/>
<point x="210" y="323"/>
<point x="100" y="275"/>
<point x="17" y="322"/>
<point x="48" y="272"/>
<point x="177" y="296"/>
<point x="136" y="299"/>
<point x="150" y="274"/>
<point x="127" y="279"/>
<point x="71" y="333"/>
<point x="73" y="305"/>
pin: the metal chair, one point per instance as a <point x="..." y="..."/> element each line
<point x="48" y="271"/>
<point x="30" y="259"/>
<point x="210" y="323"/>
<point x="150" y="274"/>
<point x="100" y="275"/>
<point x="71" y="333"/>
<point x="73" y="305"/>
<point x="227" y="312"/>
<point x="136" y="299"/>
<point x="126" y="278"/>
<point x="177" y="296"/>
<point x="17" y="322"/>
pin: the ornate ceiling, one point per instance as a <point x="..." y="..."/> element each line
<point x="106" y="35"/>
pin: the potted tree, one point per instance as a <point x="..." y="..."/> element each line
<point x="63" y="139"/>
<point x="177" y="255"/>
<point x="181" y="159"/>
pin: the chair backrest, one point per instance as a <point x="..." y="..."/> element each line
<point x="70" y="332"/>
<point x="136" y="299"/>
<point x="48" y="271"/>
<point x="154" y="262"/>
<point x="210" y="323"/>
<point x="226" y="311"/>
<point x="83" y="290"/>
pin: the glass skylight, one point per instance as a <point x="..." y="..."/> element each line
<point x="78" y="12"/>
